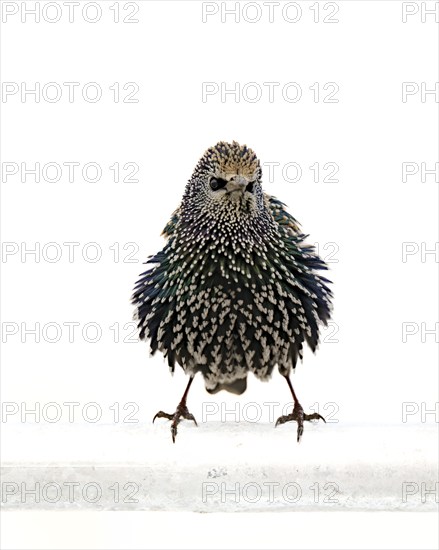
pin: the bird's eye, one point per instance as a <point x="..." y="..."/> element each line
<point x="250" y="186"/>
<point x="217" y="183"/>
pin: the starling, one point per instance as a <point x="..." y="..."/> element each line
<point x="236" y="289"/>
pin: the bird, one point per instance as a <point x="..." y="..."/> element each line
<point x="236" y="288"/>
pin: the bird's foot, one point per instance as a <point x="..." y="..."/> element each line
<point x="299" y="416"/>
<point x="181" y="412"/>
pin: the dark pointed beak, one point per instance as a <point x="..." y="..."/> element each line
<point x="238" y="183"/>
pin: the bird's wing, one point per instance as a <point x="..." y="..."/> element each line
<point x="172" y="223"/>
<point x="304" y="263"/>
<point x="286" y="221"/>
<point x="293" y="236"/>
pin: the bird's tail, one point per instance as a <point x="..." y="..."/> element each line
<point x="237" y="387"/>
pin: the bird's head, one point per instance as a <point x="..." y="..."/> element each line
<point x="225" y="185"/>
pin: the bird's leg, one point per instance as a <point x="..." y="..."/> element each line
<point x="181" y="412"/>
<point x="298" y="415"/>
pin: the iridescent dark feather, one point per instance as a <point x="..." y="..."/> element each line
<point x="235" y="289"/>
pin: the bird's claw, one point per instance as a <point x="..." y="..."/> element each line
<point x="181" y="412"/>
<point x="299" y="416"/>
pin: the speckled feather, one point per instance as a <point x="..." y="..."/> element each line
<point x="235" y="289"/>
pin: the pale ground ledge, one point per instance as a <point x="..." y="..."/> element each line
<point x="335" y="467"/>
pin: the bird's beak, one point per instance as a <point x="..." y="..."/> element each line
<point x="238" y="183"/>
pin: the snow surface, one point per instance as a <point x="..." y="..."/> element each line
<point x="220" y="467"/>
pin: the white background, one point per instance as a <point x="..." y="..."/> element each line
<point x="368" y="215"/>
